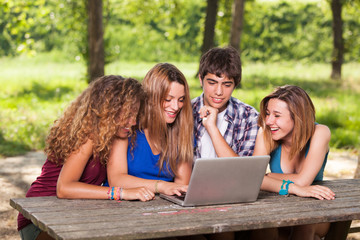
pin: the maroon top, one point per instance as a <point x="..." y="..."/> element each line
<point x="45" y="185"/>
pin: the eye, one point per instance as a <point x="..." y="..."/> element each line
<point x="167" y="100"/>
<point x="228" y="84"/>
<point x="182" y="99"/>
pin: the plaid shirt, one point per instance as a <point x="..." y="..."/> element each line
<point x="242" y="126"/>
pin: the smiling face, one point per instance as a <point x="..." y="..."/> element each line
<point x="279" y="120"/>
<point x="217" y="90"/>
<point x="173" y="102"/>
<point x="125" y="131"/>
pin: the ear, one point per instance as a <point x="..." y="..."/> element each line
<point x="201" y="81"/>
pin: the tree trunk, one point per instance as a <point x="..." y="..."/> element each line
<point x="96" y="40"/>
<point x="338" y="44"/>
<point x="210" y="22"/>
<point x="237" y="24"/>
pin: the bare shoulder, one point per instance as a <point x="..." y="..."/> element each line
<point x="260" y="132"/>
<point x="260" y="146"/>
<point x="322" y="131"/>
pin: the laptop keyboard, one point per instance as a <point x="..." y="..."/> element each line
<point x="182" y="197"/>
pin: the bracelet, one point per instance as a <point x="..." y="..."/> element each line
<point x="156" y="186"/>
<point x="115" y="193"/>
<point x="285" y="191"/>
<point x="121" y="194"/>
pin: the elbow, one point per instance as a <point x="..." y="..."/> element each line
<point x="60" y="191"/>
<point x="303" y="182"/>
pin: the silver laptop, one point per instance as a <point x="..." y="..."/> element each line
<point x="223" y="180"/>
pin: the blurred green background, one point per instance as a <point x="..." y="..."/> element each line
<point x="42" y="57"/>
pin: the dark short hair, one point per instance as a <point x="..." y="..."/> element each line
<point x="221" y="61"/>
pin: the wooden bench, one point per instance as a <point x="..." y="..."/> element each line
<point x="103" y="219"/>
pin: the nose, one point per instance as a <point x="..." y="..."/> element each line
<point x="269" y="120"/>
<point x="175" y="105"/>
<point x="219" y="90"/>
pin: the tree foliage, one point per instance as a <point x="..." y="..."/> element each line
<point x="172" y="30"/>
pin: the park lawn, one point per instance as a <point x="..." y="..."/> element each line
<point x="35" y="91"/>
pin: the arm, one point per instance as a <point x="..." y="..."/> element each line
<point x="184" y="173"/>
<point x="315" y="191"/>
<point x="313" y="162"/>
<point x="274" y="185"/>
<point x="68" y="185"/>
<point x="118" y="173"/>
<point x="209" y="117"/>
<point x="260" y="147"/>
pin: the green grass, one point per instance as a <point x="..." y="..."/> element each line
<point x="35" y="91"/>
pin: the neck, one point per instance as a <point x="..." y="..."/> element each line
<point x="151" y="143"/>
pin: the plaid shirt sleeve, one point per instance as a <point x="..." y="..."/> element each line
<point x="245" y="130"/>
<point x="198" y="127"/>
<point x="246" y="145"/>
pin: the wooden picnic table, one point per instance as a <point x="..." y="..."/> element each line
<point x="104" y="219"/>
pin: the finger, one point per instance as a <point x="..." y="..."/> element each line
<point x="151" y="194"/>
<point x="317" y="195"/>
<point x="144" y="197"/>
<point x="326" y="192"/>
<point x="140" y="196"/>
<point x="177" y="192"/>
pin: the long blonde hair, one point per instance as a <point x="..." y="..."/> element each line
<point x="97" y="114"/>
<point x="174" y="140"/>
<point x="302" y="112"/>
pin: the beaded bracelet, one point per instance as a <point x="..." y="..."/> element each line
<point x="115" y="193"/>
<point x="285" y="191"/>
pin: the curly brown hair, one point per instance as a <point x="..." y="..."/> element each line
<point x="97" y="114"/>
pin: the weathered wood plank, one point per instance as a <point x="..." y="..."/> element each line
<point x="103" y="219"/>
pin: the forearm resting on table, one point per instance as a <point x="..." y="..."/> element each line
<point x="127" y="181"/>
<point x="297" y="178"/>
<point x="79" y="190"/>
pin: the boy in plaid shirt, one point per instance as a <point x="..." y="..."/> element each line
<point x="223" y="125"/>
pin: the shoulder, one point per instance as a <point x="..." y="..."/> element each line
<point x="260" y="145"/>
<point x="195" y="101"/>
<point x="260" y="138"/>
<point x="322" y="132"/>
<point x="241" y="107"/>
<point x="196" y="104"/>
<point x="322" y="129"/>
<point x="87" y="146"/>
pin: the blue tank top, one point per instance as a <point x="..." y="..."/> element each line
<point x="275" y="166"/>
<point x="143" y="163"/>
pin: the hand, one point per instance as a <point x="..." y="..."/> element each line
<point x="315" y="191"/>
<point x="208" y="115"/>
<point x="141" y="193"/>
<point x="171" y="188"/>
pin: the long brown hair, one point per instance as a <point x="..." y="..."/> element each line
<point x="174" y="140"/>
<point x="302" y="112"/>
<point x="97" y="114"/>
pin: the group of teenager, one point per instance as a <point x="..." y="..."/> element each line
<point x="126" y="140"/>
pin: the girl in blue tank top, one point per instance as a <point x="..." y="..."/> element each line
<point x="298" y="148"/>
<point x="159" y="156"/>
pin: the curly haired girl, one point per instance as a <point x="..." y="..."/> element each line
<point x="79" y="145"/>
